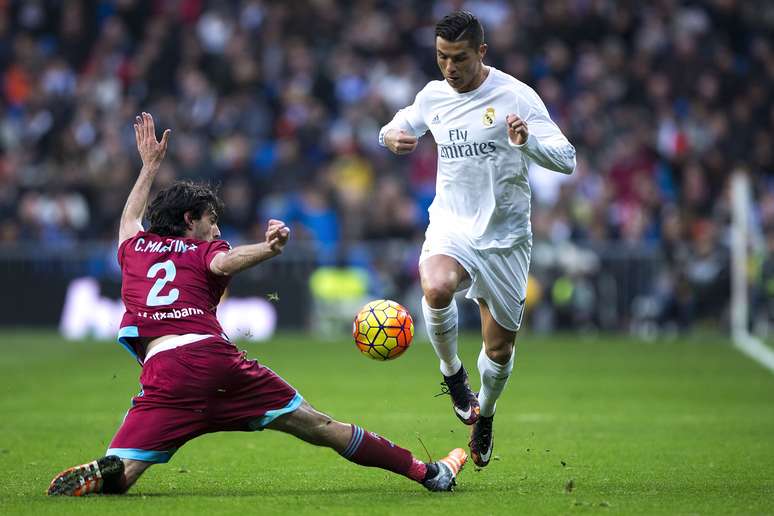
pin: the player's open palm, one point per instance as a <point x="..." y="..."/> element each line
<point x="277" y="234"/>
<point x="151" y="150"/>
<point x="399" y="141"/>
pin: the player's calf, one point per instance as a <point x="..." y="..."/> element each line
<point x="104" y="475"/>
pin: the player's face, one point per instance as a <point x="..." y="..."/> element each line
<point x="205" y="228"/>
<point x="460" y="63"/>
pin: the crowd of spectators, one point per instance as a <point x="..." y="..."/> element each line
<point x="280" y="103"/>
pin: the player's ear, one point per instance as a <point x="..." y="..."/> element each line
<point x="188" y="218"/>
<point x="482" y="50"/>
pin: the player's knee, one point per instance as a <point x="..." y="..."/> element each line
<point x="499" y="352"/>
<point x="438" y="293"/>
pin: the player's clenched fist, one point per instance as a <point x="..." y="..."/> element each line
<point x="399" y="141"/>
<point x="517" y="129"/>
<point x="151" y="151"/>
<point x="277" y="234"/>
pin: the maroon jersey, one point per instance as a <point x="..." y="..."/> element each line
<point x="168" y="289"/>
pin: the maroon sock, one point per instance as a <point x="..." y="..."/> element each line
<point x="368" y="449"/>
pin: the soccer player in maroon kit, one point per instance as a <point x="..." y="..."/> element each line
<point x="194" y="381"/>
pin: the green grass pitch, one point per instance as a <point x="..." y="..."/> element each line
<point x="587" y="425"/>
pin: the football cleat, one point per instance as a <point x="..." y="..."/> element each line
<point x="464" y="401"/>
<point x="482" y="441"/>
<point x="87" y="478"/>
<point x="448" y="469"/>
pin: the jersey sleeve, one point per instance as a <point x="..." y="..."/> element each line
<point x="546" y="144"/>
<point x="124" y="245"/>
<point x="410" y="119"/>
<point x="213" y="249"/>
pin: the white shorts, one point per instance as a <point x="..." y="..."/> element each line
<point x="497" y="275"/>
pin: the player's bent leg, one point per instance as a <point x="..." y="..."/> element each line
<point x="106" y="475"/>
<point x="495" y="364"/>
<point x="367" y="448"/>
<point x="441" y="275"/>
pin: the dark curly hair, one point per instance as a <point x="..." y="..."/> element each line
<point x="461" y="26"/>
<point x="166" y="211"/>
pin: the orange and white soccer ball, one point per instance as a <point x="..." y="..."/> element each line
<point x="383" y="329"/>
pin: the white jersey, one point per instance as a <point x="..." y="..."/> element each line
<point x="482" y="187"/>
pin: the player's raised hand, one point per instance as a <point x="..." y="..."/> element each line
<point x="399" y="141"/>
<point x="277" y="234"/>
<point x="518" y="131"/>
<point x="151" y="151"/>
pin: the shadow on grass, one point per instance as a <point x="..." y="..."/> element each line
<point x="220" y="492"/>
<point x="269" y="492"/>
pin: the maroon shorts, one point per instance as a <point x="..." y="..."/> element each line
<point x="202" y="387"/>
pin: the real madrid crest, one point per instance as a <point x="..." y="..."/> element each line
<point x="489" y="117"/>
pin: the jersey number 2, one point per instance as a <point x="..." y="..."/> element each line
<point x="168" y="271"/>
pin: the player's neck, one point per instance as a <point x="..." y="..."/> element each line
<point x="478" y="81"/>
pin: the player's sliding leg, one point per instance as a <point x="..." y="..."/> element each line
<point x="440" y="277"/>
<point x="106" y="475"/>
<point x="368" y="449"/>
<point x="495" y="364"/>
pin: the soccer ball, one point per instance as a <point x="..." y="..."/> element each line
<point x="383" y="330"/>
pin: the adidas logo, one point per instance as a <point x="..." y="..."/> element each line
<point x="435" y="120"/>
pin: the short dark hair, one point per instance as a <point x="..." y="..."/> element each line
<point x="166" y="212"/>
<point x="461" y="26"/>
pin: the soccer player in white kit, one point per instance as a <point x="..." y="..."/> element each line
<point x="488" y="127"/>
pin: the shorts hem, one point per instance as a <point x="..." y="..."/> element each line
<point x="125" y="333"/>
<point x="480" y="286"/>
<point x="476" y="296"/>
<point x="465" y="283"/>
<point x="271" y="415"/>
<point x="154" y="456"/>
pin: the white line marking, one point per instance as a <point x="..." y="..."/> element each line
<point x="755" y="349"/>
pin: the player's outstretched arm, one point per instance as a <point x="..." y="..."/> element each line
<point x="245" y="256"/>
<point x="152" y="154"/>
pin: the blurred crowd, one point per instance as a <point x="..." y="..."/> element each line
<point x="280" y="104"/>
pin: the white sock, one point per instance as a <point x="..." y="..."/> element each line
<point x="494" y="376"/>
<point x="441" y="324"/>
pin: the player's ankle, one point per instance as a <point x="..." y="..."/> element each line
<point x="113" y="472"/>
<point x="452" y="367"/>
<point x="432" y="471"/>
<point x="116" y="485"/>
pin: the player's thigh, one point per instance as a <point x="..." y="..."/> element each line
<point x="167" y="414"/>
<point x="312" y="426"/>
<point x="440" y="275"/>
<point x="445" y="264"/>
